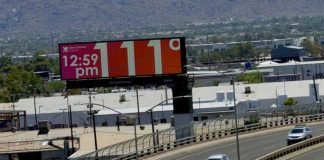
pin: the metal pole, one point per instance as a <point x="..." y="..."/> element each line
<point x="133" y="118"/>
<point x="285" y="86"/>
<point x="13" y="101"/>
<point x="162" y="106"/>
<point x="93" y="123"/>
<point x="35" y="105"/>
<point x="70" y="119"/>
<point x="39" y="112"/>
<point x="315" y="89"/>
<point x="118" y="123"/>
<point x="277" y="102"/>
<point x="236" y="129"/>
<point x="199" y="110"/>
<point x="52" y="41"/>
<point x="166" y="94"/>
<point x="152" y="123"/>
<point x="138" y="110"/>
<point x="136" y="149"/>
<point x="208" y="51"/>
<point x="94" y="131"/>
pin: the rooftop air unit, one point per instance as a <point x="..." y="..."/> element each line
<point x="230" y="96"/>
<point x="220" y="96"/>
<point x="122" y="98"/>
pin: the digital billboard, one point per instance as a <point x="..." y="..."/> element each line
<point x="124" y="58"/>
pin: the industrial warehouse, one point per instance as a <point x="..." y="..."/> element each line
<point x="216" y="99"/>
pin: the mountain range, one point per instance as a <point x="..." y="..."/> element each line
<point x="68" y="15"/>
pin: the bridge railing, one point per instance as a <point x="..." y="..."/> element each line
<point x="205" y="130"/>
<point x="293" y="148"/>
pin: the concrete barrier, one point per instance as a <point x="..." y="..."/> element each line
<point x="293" y="148"/>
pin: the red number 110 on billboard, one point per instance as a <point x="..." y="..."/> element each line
<point x="113" y="59"/>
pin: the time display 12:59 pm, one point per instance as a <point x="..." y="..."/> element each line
<point x="84" y="60"/>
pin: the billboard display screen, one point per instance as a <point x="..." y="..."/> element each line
<point x="129" y="58"/>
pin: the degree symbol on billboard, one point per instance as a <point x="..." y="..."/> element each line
<point x="174" y="44"/>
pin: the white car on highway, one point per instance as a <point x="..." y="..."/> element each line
<point x="299" y="133"/>
<point x="218" y="157"/>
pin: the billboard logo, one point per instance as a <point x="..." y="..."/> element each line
<point x="65" y="49"/>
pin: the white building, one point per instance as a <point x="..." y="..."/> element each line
<point x="261" y="44"/>
<point x="217" y="99"/>
<point x="301" y="70"/>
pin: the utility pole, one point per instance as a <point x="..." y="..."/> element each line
<point x="315" y="89"/>
<point x="52" y="42"/>
<point x="236" y="123"/>
<point x="13" y="101"/>
<point x="138" y="110"/>
<point x="70" y="118"/>
<point x="208" y="51"/>
<point x="93" y="123"/>
<point x="35" y="105"/>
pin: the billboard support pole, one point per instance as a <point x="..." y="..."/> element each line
<point x="138" y="110"/>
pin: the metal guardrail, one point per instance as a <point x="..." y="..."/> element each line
<point x="293" y="148"/>
<point x="204" y="131"/>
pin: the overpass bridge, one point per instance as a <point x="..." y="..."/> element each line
<point x="253" y="144"/>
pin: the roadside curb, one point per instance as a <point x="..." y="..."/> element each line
<point x="301" y="152"/>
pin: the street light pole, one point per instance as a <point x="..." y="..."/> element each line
<point x="138" y="110"/>
<point x="236" y="123"/>
<point x="39" y="111"/>
<point x="151" y="111"/>
<point x="70" y="118"/>
<point x="35" y="105"/>
<point x="199" y="110"/>
<point x="134" y="120"/>
<point x="135" y="134"/>
<point x="13" y="101"/>
<point x="93" y="123"/>
<point x="162" y="107"/>
<point x="152" y="123"/>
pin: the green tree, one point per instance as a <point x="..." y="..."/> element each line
<point x="311" y="48"/>
<point x="250" y="77"/>
<point x="56" y="86"/>
<point x="5" y="61"/>
<point x="290" y="102"/>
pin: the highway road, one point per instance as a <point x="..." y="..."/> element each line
<point x="250" y="148"/>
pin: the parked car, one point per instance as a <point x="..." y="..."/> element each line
<point x="299" y="133"/>
<point x="218" y="157"/>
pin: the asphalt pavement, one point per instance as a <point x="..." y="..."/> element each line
<point x="250" y="148"/>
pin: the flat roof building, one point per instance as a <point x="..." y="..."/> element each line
<point x="205" y="99"/>
<point x="287" y="53"/>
